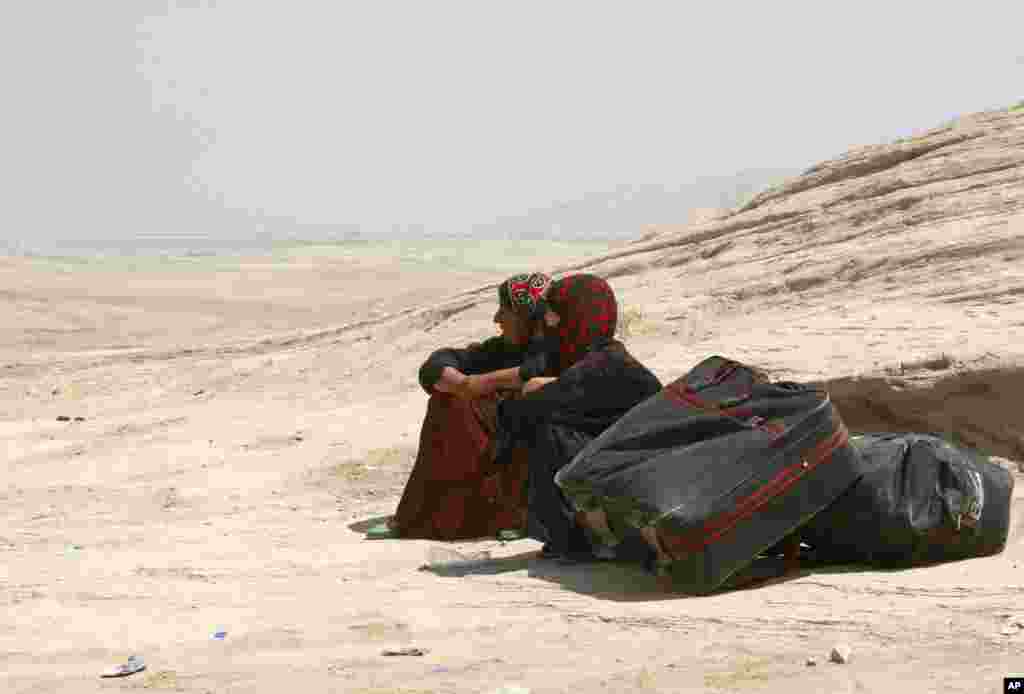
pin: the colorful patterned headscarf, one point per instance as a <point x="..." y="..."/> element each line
<point x="525" y="294"/>
<point x="587" y="310"/>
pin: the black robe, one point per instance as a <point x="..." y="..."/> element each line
<point x="557" y="421"/>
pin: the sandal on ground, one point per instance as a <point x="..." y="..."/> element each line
<point x="381" y="531"/>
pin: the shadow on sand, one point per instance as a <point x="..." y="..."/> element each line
<point x="630" y="581"/>
<point x="620" y="581"/>
<point x="624" y="581"/>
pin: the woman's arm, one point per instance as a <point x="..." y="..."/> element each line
<point x="445" y="369"/>
<point x="537" y="383"/>
<point x="481" y="385"/>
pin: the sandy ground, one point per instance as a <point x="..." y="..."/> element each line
<point x="240" y="430"/>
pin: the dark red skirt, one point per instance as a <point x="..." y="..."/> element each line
<point x="455" y="491"/>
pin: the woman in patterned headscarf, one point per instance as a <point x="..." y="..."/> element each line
<point x="591" y="380"/>
<point x="455" y="490"/>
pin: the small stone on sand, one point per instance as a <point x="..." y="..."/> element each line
<point x="840" y="654"/>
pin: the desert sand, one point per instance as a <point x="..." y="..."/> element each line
<point x="241" y="428"/>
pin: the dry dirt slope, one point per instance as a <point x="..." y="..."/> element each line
<point x="895" y="271"/>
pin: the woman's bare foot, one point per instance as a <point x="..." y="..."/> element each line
<point x="597" y="522"/>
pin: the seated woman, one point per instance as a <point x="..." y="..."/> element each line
<point x="589" y="382"/>
<point x="455" y="490"/>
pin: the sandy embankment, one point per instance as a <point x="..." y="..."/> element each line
<point x="214" y="484"/>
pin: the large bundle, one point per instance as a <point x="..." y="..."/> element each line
<point x="921" y="500"/>
<point x="716" y="468"/>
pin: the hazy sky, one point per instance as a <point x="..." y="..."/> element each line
<point x="122" y="117"/>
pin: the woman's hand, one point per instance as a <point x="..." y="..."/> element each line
<point x="456" y="383"/>
<point x="473" y="387"/>
<point x="451" y="380"/>
<point x="536" y="384"/>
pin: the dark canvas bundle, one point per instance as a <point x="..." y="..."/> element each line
<point x="721" y="463"/>
<point x="921" y="500"/>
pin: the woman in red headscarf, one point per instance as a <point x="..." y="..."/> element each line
<point x="588" y="382"/>
<point x="456" y="491"/>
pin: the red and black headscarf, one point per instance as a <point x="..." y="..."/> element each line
<point x="525" y="294"/>
<point x="588" y="314"/>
